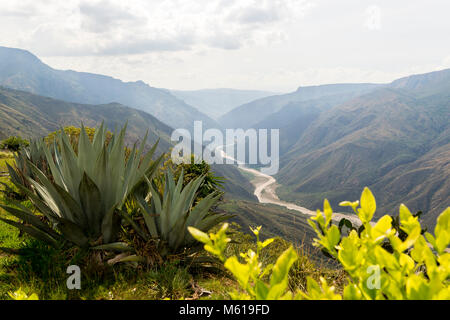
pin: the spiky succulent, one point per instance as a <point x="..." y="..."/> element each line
<point x="85" y="190"/>
<point x="168" y="215"/>
<point x="34" y="153"/>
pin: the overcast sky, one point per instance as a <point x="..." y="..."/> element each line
<point x="275" y="45"/>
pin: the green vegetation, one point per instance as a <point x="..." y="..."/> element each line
<point x="417" y="269"/>
<point x="135" y="239"/>
<point x="14" y="143"/>
<point x="88" y="199"/>
<point x="171" y="211"/>
<point x="85" y="192"/>
<point x="5" y="158"/>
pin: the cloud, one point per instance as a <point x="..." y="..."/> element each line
<point x="115" y="27"/>
<point x="254" y="15"/>
<point x="373" y="18"/>
<point x="103" y="16"/>
<point x="18" y="9"/>
<point x="145" y="45"/>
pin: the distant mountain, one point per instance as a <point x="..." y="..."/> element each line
<point x="217" y="102"/>
<point x="21" y="70"/>
<point x="30" y="116"/>
<point x="423" y="85"/>
<point x="395" y="140"/>
<point x="293" y="119"/>
<point x="250" y="114"/>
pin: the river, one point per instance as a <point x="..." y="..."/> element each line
<point x="265" y="192"/>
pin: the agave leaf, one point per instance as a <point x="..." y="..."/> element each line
<point x="99" y="137"/>
<point x="178" y="233"/>
<point x="30" y="218"/>
<point x="212" y="220"/>
<point x="179" y="185"/>
<point x="149" y="218"/>
<point x="69" y="166"/>
<point x="73" y="233"/>
<point x="56" y="173"/>
<point x="48" y="199"/>
<point x="85" y="150"/>
<point x="49" y="192"/>
<point x="40" y="205"/>
<point x="201" y="210"/>
<point x="13" y="175"/>
<point x="183" y="202"/>
<point x="32" y="231"/>
<point x="115" y="246"/>
<point x="91" y="203"/>
<point x="127" y="258"/>
<point x="108" y="226"/>
<point x="73" y="208"/>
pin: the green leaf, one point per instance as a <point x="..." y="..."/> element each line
<point x="327" y="211"/>
<point x="368" y="206"/>
<point x="91" y="204"/>
<point x="199" y="235"/>
<point x="333" y="236"/>
<point x="442" y="231"/>
<point x="352" y="292"/>
<point x="115" y="246"/>
<point x="240" y="271"/>
<point x="32" y="231"/>
<point x="267" y="242"/>
<point x="280" y="272"/>
<point x="73" y="233"/>
<point x="380" y="230"/>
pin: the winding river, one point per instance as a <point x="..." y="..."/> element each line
<point x="266" y="185"/>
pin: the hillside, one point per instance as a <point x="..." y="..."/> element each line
<point x="295" y="118"/>
<point x="30" y="115"/>
<point x="236" y="185"/>
<point x="217" y="102"/>
<point x="275" y="221"/>
<point x="394" y="140"/>
<point x="21" y="70"/>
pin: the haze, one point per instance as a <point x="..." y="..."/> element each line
<point x="274" y="45"/>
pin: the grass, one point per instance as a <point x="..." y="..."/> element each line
<point x="42" y="270"/>
<point x="6" y="157"/>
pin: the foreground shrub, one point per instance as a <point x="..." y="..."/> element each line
<point x="14" y="143"/>
<point x="169" y="213"/>
<point x="85" y="190"/>
<point x="418" y="267"/>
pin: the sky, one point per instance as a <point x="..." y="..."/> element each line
<point x="275" y="45"/>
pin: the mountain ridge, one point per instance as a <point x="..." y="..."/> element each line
<point x="30" y="116"/>
<point x="21" y="70"/>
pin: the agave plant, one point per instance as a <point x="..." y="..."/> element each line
<point x="167" y="215"/>
<point x="85" y="190"/>
<point x="34" y="153"/>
